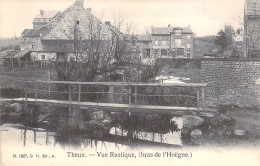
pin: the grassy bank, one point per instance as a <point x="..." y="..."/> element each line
<point x="16" y="77"/>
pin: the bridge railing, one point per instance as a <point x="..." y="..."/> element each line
<point x="158" y="94"/>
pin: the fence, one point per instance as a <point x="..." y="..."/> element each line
<point x="156" y="94"/>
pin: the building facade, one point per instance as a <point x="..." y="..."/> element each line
<point x="172" y="42"/>
<point x="61" y="36"/>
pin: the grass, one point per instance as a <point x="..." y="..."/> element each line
<point x="16" y="77"/>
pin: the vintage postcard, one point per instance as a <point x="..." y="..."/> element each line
<point x="130" y="82"/>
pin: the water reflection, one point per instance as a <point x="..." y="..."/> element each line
<point x="67" y="131"/>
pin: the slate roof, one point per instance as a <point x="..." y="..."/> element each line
<point x="168" y="30"/>
<point x="7" y="54"/>
<point x="31" y="33"/>
<point x="46" y="31"/>
<point x="53" y="46"/>
<point x="161" y="30"/>
<point x="138" y="37"/>
<point x="145" y="37"/>
<point x="253" y="7"/>
<point x="79" y="3"/>
<point x="48" y="14"/>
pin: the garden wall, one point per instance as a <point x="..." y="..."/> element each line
<point x="231" y="82"/>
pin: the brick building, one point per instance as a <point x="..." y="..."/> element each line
<point x="55" y="34"/>
<point x="172" y="42"/>
<point x="252" y="28"/>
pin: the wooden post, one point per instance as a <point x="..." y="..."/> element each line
<point x="70" y="94"/>
<point x="49" y="87"/>
<point x="36" y="91"/>
<point x="26" y="94"/>
<point x="129" y="99"/>
<point x="70" y="109"/>
<point x="135" y="95"/>
<point x="79" y="93"/>
<point x="198" y="98"/>
<point x="203" y="97"/>
<point x="97" y="99"/>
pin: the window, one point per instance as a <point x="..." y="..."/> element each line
<point x="180" y="51"/>
<point x="61" y="57"/>
<point x="188" y="55"/>
<point x="147" y="53"/>
<point x="188" y="36"/>
<point x="178" y="43"/>
<point x="188" y="45"/>
<point x="77" y="22"/>
<point x="72" y="59"/>
<point x="156" y="52"/>
<point x="43" y="57"/>
<point x="146" y="43"/>
<point x="178" y="32"/>
<point x="156" y="43"/>
<point x="163" y="52"/>
<point x="163" y="43"/>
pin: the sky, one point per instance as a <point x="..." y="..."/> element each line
<point x="206" y="17"/>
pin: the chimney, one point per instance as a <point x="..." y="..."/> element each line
<point x="169" y="25"/>
<point x="41" y="12"/>
<point x="107" y="22"/>
<point x="79" y="3"/>
<point x="89" y="10"/>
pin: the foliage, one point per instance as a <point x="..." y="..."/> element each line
<point x="98" y="50"/>
<point x="149" y="123"/>
<point x="221" y="39"/>
<point x="229" y="33"/>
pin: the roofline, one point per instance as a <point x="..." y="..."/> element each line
<point x="160" y="34"/>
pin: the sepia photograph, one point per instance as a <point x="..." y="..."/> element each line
<point x="130" y="82"/>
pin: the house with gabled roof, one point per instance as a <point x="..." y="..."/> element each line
<point x="60" y="35"/>
<point x="172" y="42"/>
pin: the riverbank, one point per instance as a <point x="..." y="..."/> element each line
<point x="16" y="77"/>
<point x="247" y="121"/>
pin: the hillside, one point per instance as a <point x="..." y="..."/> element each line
<point x="9" y="43"/>
<point x="204" y="45"/>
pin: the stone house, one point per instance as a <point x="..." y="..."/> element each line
<point x="252" y="28"/>
<point x="43" y="18"/>
<point x="163" y="42"/>
<point x="172" y="42"/>
<point x="61" y="36"/>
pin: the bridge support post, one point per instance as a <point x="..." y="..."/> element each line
<point x="70" y="95"/>
<point x="79" y="93"/>
<point x="26" y="95"/>
<point x="135" y="95"/>
<point x="203" y="97"/>
<point x="198" y="98"/>
<point x="36" y="91"/>
<point x="129" y="100"/>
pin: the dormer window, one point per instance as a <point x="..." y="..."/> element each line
<point x="177" y="32"/>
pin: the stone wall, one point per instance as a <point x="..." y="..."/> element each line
<point x="231" y="82"/>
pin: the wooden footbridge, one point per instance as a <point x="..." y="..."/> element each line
<point x="163" y="98"/>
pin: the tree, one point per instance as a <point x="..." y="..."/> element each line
<point x="98" y="49"/>
<point x="229" y="33"/>
<point x="253" y="37"/>
<point x="221" y="39"/>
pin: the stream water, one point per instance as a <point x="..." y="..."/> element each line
<point x="59" y="133"/>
